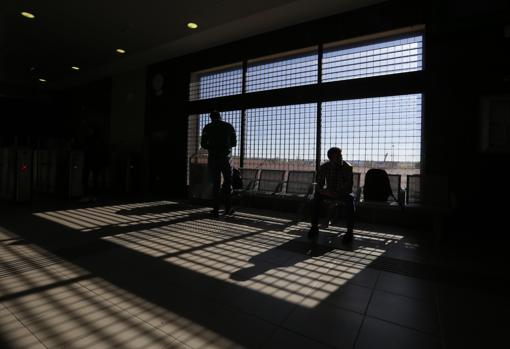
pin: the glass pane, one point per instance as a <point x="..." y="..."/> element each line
<point x="282" y="73"/>
<point x="382" y="58"/>
<point x="382" y="132"/>
<point x="226" y="82"/>
<point x="282" y="138"/>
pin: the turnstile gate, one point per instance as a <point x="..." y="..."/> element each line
<point x="16" y="174"/>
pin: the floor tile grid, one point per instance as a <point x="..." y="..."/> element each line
<point x="440" y="335"/>
<point x="21" y="304"/>
<point x="322" y="343"/>
<point x="27" y="331"/>
<point x="133" y="314"/>
<point x="372" y="290"/>
<point x="99" y="292"/>
<point x="162" y="317"/>
<point x="371" y="295"/>
<point x="110" y="309"/>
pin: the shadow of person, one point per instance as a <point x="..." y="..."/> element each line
<point x="282" y="256"/>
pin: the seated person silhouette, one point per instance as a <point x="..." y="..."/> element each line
<point x="334" y="182"/>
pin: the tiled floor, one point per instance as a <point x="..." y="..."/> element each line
<point x="166" y="275"/>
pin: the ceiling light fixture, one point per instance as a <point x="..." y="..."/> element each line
<point x="27" y="15"/>
<point x="121" y="51"/>
<point x="192" y="25"/>
<point x="42" y="80"/>
<point x="75" y="67"/>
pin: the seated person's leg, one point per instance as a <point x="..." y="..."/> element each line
<point x="316" y="207"/>
<point x="349" y="213"/>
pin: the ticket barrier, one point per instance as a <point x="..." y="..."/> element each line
<point x="74" y="167"/>
<point x="7" y="175"/>
<point x="58" y="172"/>
<point x="45" y="171"/>
<point x="131" y="174"/>
<point x="16" y="174"/>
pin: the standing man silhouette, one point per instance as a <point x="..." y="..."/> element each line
<point x="219" y="137"/>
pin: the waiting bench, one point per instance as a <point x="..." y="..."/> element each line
<point x="277" y="184"/>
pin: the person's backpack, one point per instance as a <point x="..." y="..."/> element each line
<point x="237" y="179"/>
<point x="377" y="185"/>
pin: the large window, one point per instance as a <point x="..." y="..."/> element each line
<point x="384" y="132"/>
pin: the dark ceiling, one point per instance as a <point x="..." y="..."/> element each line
<point x="71" y="33"/>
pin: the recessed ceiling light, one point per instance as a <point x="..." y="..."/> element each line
<point x="121" y="51"/>
<point x="192" y="25"/>
<point x="27" y="15"/>
<point x="42" y="80"/>
<point x="75" y="67"/>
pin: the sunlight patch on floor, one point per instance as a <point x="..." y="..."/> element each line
<point x="253" y="251"/>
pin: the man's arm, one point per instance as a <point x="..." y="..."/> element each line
<point x="233" y="137"/>
<point x="204" y="142"/>
<point x="348" y="179"/>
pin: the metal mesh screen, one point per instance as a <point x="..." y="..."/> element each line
<point x="196" y="124"/>
<point x="382" y="132"/>
<point x="220" y="83"/>
<point x="282" y="73"/>
<point x="366" y="60"/>
<point x="281" y="137"/>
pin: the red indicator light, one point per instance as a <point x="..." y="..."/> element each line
<point x="23" y="168"/>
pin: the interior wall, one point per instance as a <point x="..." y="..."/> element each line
<point x="466" y="57"/>
<point x="127" y="123"/>
<point x="166" y="130"/>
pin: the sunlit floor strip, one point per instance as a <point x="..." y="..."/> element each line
<point x="63" y="306"/>
<point x="247" y="250"/>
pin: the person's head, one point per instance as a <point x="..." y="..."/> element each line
<point x="335" y="154"/>
<point x="215" y="115"/>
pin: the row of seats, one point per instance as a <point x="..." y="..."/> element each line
<point x="272" y="182"/>
<point x="295" y="183"/>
